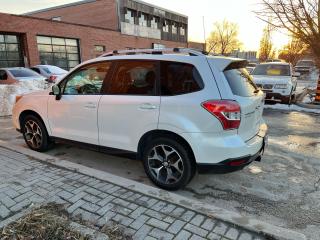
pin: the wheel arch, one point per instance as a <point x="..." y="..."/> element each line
<point x="25" y="113"/>
<point x="164" y="133"/>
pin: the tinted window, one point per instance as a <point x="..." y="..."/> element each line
<point x="3" y="75"/>
<point x="37" y="70"/>
<point x="86" y="80"/>
<point x="240" y="82"/>
<point x="23" y="73"/>
<point x="134" y="78"/>
<point x="179" y="78"/>
<point x="272" y="70"/>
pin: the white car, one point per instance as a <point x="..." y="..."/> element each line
<point x="178" y="113"/>
<point x="52" y="73"/>
<point x="277" y="80"/>
<point x="15" y="75"/>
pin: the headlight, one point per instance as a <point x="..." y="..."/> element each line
<point x="18" y="97"/>
<point x="281" y="86"/>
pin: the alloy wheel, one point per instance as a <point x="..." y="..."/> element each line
<point x="33" y="134"/>
<point x="165" y="164"/>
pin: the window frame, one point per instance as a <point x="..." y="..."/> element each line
<point x="63" y="83"/>
<point x="105" y="90"/>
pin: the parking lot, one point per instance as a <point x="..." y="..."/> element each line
<point x="283" y="189"/>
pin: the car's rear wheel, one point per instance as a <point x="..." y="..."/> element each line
<point x="167" y="163"/>
<point x="35" y="134"/>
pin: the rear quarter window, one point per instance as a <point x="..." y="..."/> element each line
<point x="179" y="78"/>
<point x="240" y="82"/>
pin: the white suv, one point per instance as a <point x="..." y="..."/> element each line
<point x="178" y="112"/>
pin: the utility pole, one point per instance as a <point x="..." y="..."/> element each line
<point x="204" y="34"/>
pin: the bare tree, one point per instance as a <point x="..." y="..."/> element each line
<point x="266" y="49"/>
<point x="293" y="51"/>
<point x="224" y="38"/>
<point x="301" y="18"/>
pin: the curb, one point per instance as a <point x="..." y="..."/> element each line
<point x="309" y="106"/>
<point x="200" y="207"/>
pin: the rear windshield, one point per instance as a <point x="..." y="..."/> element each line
<point x="240" y="82"/>
<point x="272" y="70"/>
<point x="23" y="73"/>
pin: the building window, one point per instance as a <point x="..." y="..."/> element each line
<point x="174" y="28"/>
<point x="100" y="48"/>
<point x="61" y="52"/>
<point x="143" y="20"/>
<point x="10" y="54"/>
<point x="154" y="23"/>
<point x="165" y="27"/>
<point x="56" y="18"/>
<point x="158" y="46"/>
<point x="129" y="16"/>
<point x="182" y="31"/>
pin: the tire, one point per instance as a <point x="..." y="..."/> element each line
<point x="35" y="134"/>
<point x="285" y="100"/>
<point x="167" y="163"/>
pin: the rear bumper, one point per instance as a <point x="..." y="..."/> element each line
<point x="231" y="165"/>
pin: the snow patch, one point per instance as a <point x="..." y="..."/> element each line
<point x="291" y="108"/>
<point x="8" y="93"/>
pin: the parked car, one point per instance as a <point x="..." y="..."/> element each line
<point x="305" y="66"/>
<point x="18" y="74"/>
<point x="52" y="73"/>
<point x="277" y="80"/>
<point x="178" y="113"/>
<point x="250" y="67"/>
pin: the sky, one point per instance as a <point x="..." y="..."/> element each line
<point x="238" y="11"/>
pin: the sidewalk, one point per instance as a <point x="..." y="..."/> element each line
<point x="25" y="181"/>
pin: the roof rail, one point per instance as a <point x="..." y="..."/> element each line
<point x="190" y="51"/>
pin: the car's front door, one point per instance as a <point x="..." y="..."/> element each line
<point x="130" y="106"/>
<point x="74" y="116"/>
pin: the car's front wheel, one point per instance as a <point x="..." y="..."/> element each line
<point x="35" y="134"/>
<point x="167" y="163"/>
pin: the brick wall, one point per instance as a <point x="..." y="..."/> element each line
<point x="100" y="13"/>
<point x="30" y="27"/>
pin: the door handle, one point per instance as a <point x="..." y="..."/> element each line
<point x="148" y="106"/>
<point x="90" y="105"/>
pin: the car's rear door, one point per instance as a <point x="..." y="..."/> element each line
<point x="130" y="104"/>
<point x="74" y="116"/>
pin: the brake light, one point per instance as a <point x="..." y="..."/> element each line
<point x="52" y="78"/>
<point x="228" y="112"/>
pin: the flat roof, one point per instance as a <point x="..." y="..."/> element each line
<point x="90" y="1"/>
<point x="59" y="6"/>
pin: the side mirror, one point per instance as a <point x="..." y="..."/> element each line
<point x="56" y="91"/>
<point x="296" y="74"/>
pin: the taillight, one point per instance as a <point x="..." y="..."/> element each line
<point x="52" y="78"/>
<point x="228" y="112"/>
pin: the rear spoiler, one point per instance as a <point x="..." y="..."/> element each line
<point x="236" y="65"/>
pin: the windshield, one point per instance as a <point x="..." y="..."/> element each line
<point x="305" y="63"/>
<point x="240" y="82"/>
<point x="272" y="70"/>
<point x="23" y="73"/>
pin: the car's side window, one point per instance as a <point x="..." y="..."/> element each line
<point x="3" y="75"/>
<point x="87" y="80"/>
<point x="179" y="78"/>
<point x="37" y="70"/>
<point x="134" y="78"/>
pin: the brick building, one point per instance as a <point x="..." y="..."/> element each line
<point x="69" y="34"/>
